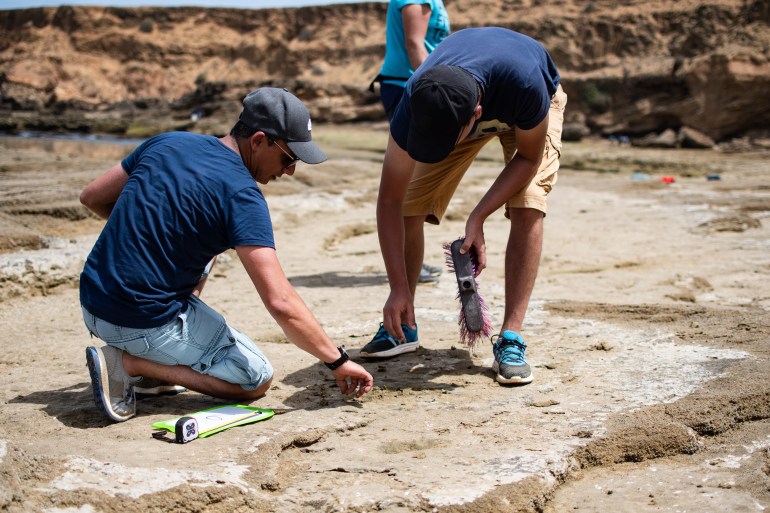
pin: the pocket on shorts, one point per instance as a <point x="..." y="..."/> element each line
<point x="556" y="121"/>
<point x="552" y="148"/>
<point x="137" y="346"/>
<point x="167" y="343"/>
<point x="216" y="352"/>
<point x="559" y="99"/>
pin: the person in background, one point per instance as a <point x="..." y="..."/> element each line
<point x="172" y="205"/>
<point x="413" y="29"/>
<point x="479" y="84"/>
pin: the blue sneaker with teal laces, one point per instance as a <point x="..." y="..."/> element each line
<point x="510" y="365"/>
<point x="384" y="345"/>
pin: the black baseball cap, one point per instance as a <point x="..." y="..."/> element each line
<point x="442" y="103"/>
<point x="281" y="115"/>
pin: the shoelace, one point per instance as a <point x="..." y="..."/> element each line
<point x="128" y="405"/>
<point x="382" y="334"/>
<point x="509" y="352"/>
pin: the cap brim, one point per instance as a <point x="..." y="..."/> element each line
<point x="307" y="152"/>
<point x="429" y="148"/>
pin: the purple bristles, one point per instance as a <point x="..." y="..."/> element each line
<point x="471" y="338"/>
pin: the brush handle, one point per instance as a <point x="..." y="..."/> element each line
<point x="466" y="284"/>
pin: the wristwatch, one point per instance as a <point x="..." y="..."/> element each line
<point x="339" y="361"/>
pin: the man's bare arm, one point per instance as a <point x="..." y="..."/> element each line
<point x="415" y="19"/>
<point x="294" y="317"/>
<point x="515" y="175"/>
<point x="397" y="169"/>
<point x="101" y="194"/>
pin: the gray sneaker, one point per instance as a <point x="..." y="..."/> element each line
<point x="113" y="389"/>
<point x="148" y="387"/>
<point x="426" y="276"/>
<point x="510" y="365"/>
<point x="431" y="269"/>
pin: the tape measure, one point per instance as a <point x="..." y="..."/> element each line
<point x="186" y="430"/>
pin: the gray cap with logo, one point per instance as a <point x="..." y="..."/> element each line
<point x="281" y="115"/>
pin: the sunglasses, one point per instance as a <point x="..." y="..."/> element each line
<point x="287" y="161"/>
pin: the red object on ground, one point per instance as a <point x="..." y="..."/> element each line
<point x="667" y="179"/>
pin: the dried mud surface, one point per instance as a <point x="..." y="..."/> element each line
<point x="648" y="332"/>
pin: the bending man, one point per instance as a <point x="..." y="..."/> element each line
<point x="478" y="84"/>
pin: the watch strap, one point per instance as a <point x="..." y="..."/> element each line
<point x="339" y="361"/>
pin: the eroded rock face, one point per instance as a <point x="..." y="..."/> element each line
<point x="628" y="67"/>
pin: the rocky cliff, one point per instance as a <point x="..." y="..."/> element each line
<point x="630" y="67"/>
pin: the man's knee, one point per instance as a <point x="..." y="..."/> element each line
<point x="417" y="220"/>
<point x="260" y="391"/>
<point x="413" y="225"/>
<point x="525" y="215"/>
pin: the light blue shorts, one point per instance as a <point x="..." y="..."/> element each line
<point x="199" y="338"/>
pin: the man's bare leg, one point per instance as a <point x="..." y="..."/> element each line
<point x="522" y="259"/>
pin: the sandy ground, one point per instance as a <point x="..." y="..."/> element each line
<point x="648" y="333"/>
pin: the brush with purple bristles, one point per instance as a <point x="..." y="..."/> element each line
<point x="473" y="320"/>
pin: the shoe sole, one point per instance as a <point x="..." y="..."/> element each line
<point x="146" y="393"/>
<point x="407" y="347"/>
<point x="100" y="383"/>
<point x="514" y="380"/>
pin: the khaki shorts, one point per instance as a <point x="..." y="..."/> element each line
<point x="433" y="185"/>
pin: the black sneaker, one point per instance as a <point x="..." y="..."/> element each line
<point x="383" y="345"/>
<point x="510" y="365"/>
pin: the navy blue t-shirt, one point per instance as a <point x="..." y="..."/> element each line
<point x="188" y="198"/>
<point x="516" y="74"/>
